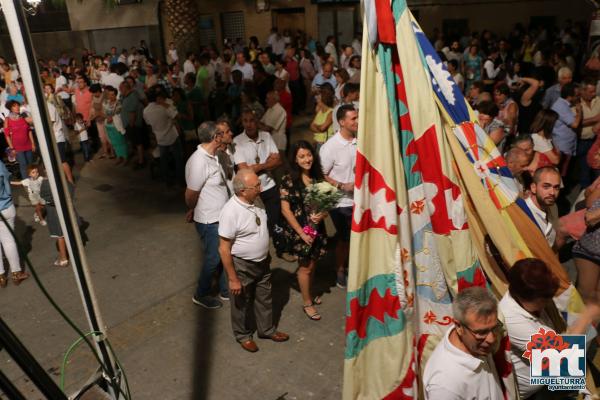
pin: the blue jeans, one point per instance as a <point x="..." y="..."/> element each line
<point x="176" y="151"/>
<point x="209" y="233"/>
<point x="85" y="149"/>
<point x="24" y="158"/>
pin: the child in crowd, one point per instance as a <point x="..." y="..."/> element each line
<point x="33" y="183"/>
<point x="84" y="142"/>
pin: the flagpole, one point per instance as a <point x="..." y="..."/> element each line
<point x="23" y="47"/>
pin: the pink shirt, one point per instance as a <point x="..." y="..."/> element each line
<point x="83" y="103"/>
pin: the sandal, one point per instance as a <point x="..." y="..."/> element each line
<point x="18" y="277"/>
<point x="63" y="263"/>
<point x="3" y="280"/>
<point x="314" y="316"/>
<point x="317" y="300"/>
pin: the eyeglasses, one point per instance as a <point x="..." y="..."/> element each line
<point x="482" y="334"/>
<point x="255" y="187"/>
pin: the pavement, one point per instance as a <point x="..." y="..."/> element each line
<point x="144" y="262"/>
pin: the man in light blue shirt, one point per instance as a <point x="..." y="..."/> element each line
<point x="565" y="75"/>
<point x="563" y="134"/>
<point x="326" y="76"/>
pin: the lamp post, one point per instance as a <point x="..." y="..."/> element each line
<point x="14" y="12"/>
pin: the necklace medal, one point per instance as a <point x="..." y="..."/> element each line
<point x="257" y="160"/>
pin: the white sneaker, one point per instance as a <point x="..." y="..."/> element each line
<point x="36" y="218"/>
<point x="43" y="222"/>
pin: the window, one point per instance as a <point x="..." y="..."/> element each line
<point x="455" y="28"/>
<point x="207" y="32"/>
<point x="232" y="24"/>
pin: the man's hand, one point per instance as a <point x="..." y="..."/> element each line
<point x="189" y="215"/>
<point x="348" y="187"/>
<point x="235" y="286"/>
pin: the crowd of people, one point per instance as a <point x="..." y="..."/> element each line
<point x="219" y="123"/>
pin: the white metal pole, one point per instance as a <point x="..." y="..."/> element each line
<point x="23" y="48"/>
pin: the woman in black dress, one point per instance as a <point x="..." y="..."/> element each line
<point x="305" y="170"/>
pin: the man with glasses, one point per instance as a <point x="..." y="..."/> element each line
<point x="206" y="193"/>
<point x="244" y="251"/>
<point x="461" y="366"/>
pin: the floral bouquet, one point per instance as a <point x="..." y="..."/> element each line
<point x="318" y="197"/>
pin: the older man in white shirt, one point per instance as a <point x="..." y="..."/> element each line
<point x="255" y="149"/>
<point x="206" y="194"/>
<point x="338" y="160"/>
<point x="461" y="366"/>
<point x="244" y="67"/>
<point x="274" y="120"/>
<point x="160" y="116"/>
<point x="244" y="251"/>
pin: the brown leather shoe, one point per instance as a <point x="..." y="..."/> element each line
<point x="277" y="337"/>
<point x="249" y="345"/>
<point x="18" y="277"/>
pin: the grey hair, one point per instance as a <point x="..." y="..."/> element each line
<point x="562" y="72"/>
<point x="207" y="131"/>
<point x="239" y="180"/>
<point x="513" y="154"/>
<point x="474" y="300"/>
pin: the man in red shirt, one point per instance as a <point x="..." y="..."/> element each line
<point x="83" y="99"/>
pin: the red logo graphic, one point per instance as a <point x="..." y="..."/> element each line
<point x="544" y="340"/>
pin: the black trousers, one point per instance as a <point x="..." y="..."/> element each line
<point x="272" y="202"/>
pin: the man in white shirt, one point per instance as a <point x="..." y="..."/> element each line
<point x="60" y="129"/>
<point x="244" y="67"/>
<point x="338" y="160"/>
<point x="274" y="120"/>
<point x="188" y="64"/>
<point x="489" y="66"/>
<point x="461" y="367"/>
<point x="544" y="191"/>
<point x="160" y="116"/>
<point x="331" y="49"/>
<point x="276" y="42"/>
<point x="61" y="86"/>
<point x="244" y="251"/>
<point x="357" y="44"/>
<point x="205" y="195"/>
<point x="112" y="79"/>
<point x="257" y="151"/>
<point x="350" y="95"/>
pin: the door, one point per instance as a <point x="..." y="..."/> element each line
<point x="338" y="22"/>
<point x="292" y="20"/>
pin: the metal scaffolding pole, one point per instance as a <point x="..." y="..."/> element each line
<point x="23" y="46"/>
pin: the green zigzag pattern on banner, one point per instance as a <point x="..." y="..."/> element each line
<point x="373" y="311"/>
